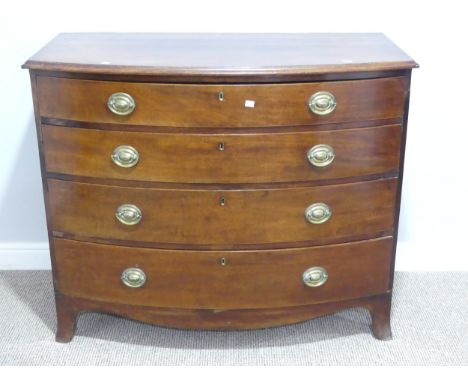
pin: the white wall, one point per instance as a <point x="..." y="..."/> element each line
<point x="435" y="207"/>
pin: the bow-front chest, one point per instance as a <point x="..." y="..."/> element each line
<point x="221" y="181"/>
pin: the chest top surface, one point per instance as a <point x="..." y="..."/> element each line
<point x="214" y="54"/>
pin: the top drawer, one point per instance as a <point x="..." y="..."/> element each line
<point x="182" y="105"/>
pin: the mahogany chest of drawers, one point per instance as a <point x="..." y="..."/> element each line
<point x="221" y="181"/>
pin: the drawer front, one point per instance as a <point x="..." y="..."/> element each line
<point x="248" y="279"/>
<point x="222" y="158"/>
<point x="223" y="218"/>
<point x="200" y="105"/>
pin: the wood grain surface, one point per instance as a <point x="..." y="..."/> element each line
<point x="69" y="308"/>
<point x="245" y="158"/>
<point x="244" y="204"/>
<point x="249" y="279"/>
<point x="186" y="55"/>
<point x="197" y="105"/>
<point x="196" y="217"/>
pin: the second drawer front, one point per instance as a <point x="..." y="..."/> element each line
<point x="222" y="158"/>
<point x="248" y="279"/>
<point x="223" y="218"/>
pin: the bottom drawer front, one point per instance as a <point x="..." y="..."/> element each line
<point x="222" y="280"/>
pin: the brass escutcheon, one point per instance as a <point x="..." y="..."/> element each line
<point x="318" y="213"/>
<point x="133" y="277"/>
<point x="121" y="104"/>
<point x="321" y="155"/>
<point x="128" y="214"/>
<point x="322" y="103"/>
<point x="315" y="277"/>
<point x="125" y="156"/>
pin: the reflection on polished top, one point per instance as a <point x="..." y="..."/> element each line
<point x="211" y="54"/>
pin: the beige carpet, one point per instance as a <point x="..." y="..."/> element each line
<point x="429" y="320"/>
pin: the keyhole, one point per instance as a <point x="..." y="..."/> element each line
<point x="223" y="261"/>
<point x="221" y="146"/>
<point x="221" y="96"/>
<point x="222" y="201"/>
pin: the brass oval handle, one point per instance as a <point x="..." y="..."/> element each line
<point x="315" y="277"/>
<point x="321" y="155"/>
<point x="133" y="277"/>
<point x="322" y="103"/>
<point x="318" y="213"/>
<point x="121" y="104"/>
<point x="125" y="156"/>
<point x="128" y="214"/>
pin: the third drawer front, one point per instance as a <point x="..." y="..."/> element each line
<point x="223" y="280"/>
<point x="222" y="158"/>
<point x="223" y="218"/>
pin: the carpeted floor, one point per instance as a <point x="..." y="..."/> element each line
<point x="429" y="320"/>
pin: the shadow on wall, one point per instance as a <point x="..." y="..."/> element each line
<point x="403" y="228"/>
<point x="23" y="202"/>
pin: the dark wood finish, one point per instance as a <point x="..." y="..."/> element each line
<point x="380" y="312"/>
<point x="66" y="322"/>
<point x="247" y="280"/>
<point x="226" y="78"/>
<point x="216" y="186"/>
<point x="198" y="105"/>
<point x="183" y="55"/>
<point x="196" y="158"/>
<point x="400" y="178"/>
<point x="372" y="79"/>
<point x="214" y="319"/>
<point x="192" y="217"/>
<point x="220" y="247"/>
<point x="219" y="130"/>
<point x="66" y="319"/>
